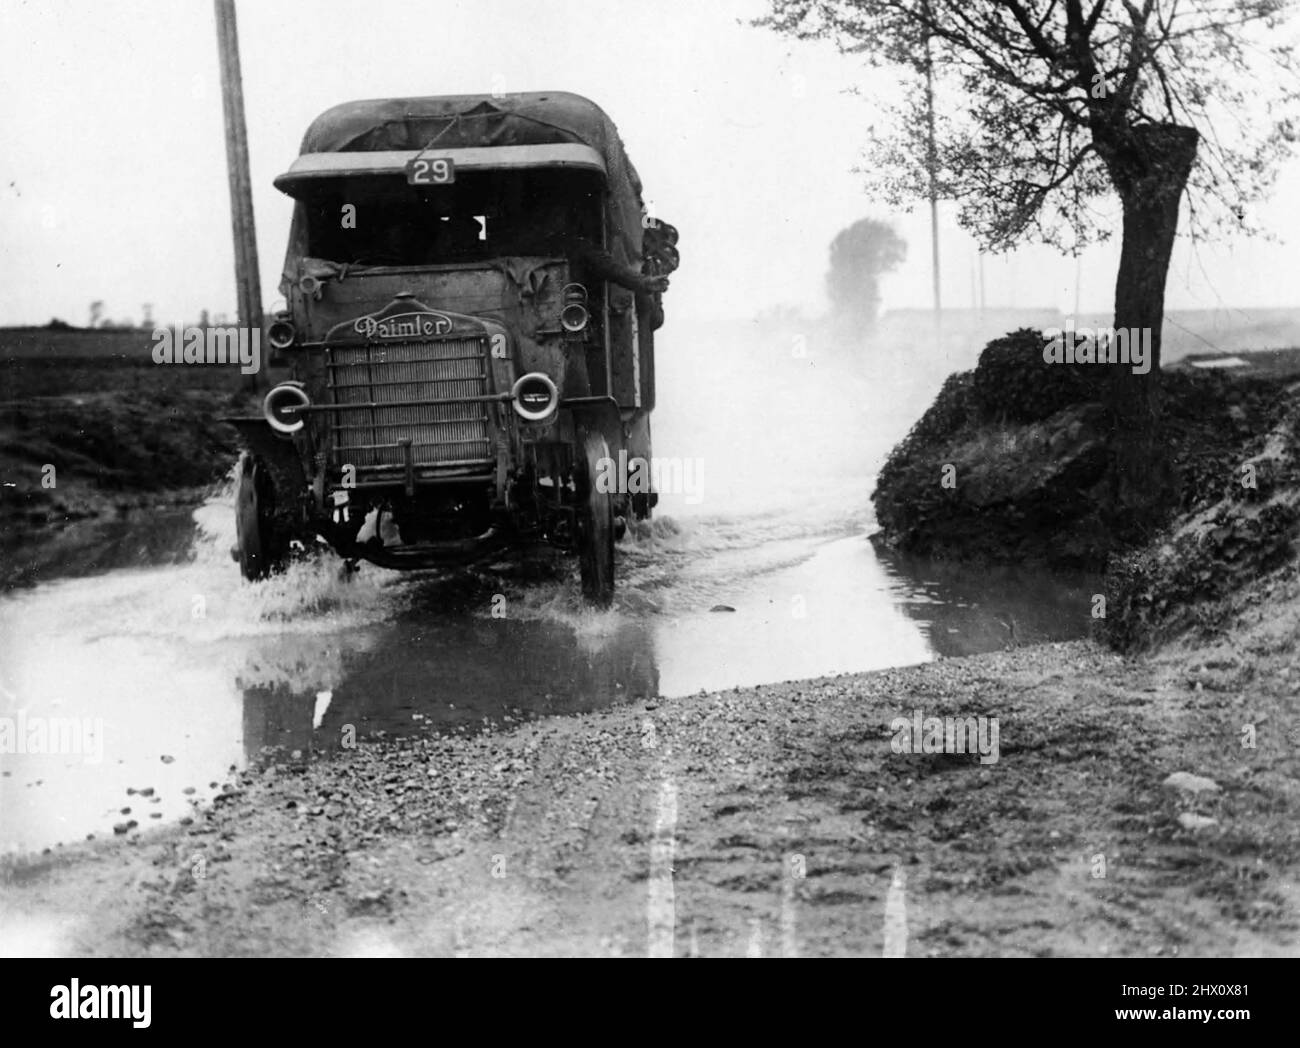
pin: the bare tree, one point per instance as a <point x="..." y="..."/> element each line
<point x="1052" y="106"/>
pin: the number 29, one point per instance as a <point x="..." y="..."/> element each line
<point x="431" y="172"/>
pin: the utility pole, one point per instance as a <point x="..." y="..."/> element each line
<point x="1078" y="254"/>
<point x="1078" y="280"/>
<point x="248" y="284"/>
<point x="931" y="165"/>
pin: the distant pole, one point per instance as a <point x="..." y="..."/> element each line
<point x="932" y="164"/>
<point x="1078" y="280"/>
<point x="248" y="284"/>
<point x="1078" y="253"/>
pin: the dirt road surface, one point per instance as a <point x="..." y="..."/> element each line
<point x="774" y="822"/>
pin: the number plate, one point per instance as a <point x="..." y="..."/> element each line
<point x="430" y="171"/>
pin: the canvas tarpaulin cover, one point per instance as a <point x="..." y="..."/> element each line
<point x="469" y="121"/>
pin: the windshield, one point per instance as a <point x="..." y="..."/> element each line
<point x="383" y="221"/>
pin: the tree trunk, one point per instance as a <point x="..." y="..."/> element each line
<point x="1149" y="166"/>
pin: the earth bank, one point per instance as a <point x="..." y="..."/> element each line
<point x="1010" y="464"/>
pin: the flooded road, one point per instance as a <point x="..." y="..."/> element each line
<point x="137" y="685"/>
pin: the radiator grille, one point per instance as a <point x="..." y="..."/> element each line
<point x="396" y="372"/>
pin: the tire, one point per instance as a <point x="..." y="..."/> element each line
<point x="595" y="527"/>
<point x="257" y="544"/>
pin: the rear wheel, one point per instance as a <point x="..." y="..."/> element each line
<point x="258" y="545"/>
<point x="596" y="527"/>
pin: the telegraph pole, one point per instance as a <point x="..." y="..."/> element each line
<point x="931" y="165"/>
<point x="1078" y="255"/>
<point x="248" y="284"/>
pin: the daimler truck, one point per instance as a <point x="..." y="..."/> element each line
<point x="471" y="290"/>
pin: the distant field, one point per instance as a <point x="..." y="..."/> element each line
<point x="908" y="335"/>
<point x="1210" y="332"/>
<point x="77" y="342"/>
<point x="119" y="429"/>
<point x="1281" y="364"/>
<point x="38" y="362"/>
<point x="23" y="378"/>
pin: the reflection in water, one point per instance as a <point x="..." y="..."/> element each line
<point x="29" y="556"/>
<point x="827" y="610"/>
<point x="966" y="611"/>
<point x="445" y="664"/>
<point x="442" y="666"/>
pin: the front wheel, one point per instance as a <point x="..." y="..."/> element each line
<point x="596" y="526"/>
<point x="257" y="545"/>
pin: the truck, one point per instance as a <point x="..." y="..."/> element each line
<point x="471" y="291"/>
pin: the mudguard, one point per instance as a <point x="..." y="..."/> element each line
<point x="600" y="415"/>
<point x="278" y="455"/>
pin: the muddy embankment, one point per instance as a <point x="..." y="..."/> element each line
<point x="92" y="431"/>
<point x="1009" y="465"/>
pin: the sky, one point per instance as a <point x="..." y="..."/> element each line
<point x="113" y="179"/>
